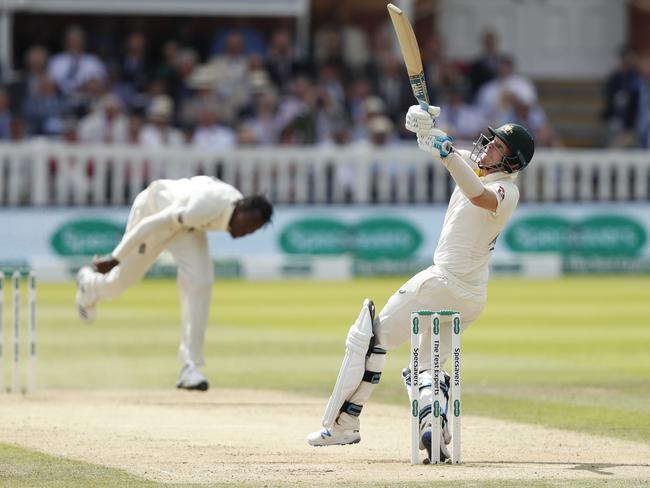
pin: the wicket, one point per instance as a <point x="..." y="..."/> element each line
<point x="437" y="396"/>
<point x="16" y="278"/>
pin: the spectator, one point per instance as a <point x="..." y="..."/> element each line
<point x="203" y="84"/>
<point x="493" y="95"/>
<point x="6" y="117"/>
<point x="643" y="122"/>
<point x="393" y="88"/>
<point x="296" y="115"/>
<point x="158" y="132"/>
<point x="344" y="43"/>
<point x="44" y="109"/>
<point x="281" y="61"/>
<point x="73" y="68"/>
<point x="210" y="134"/>
<point x="35" y="71"/>
<point x="135" y="125"/>
<point x="372" y="107"/>
<point x="530" y="115"/>
<point x="458" y="118"/>
<point x="84" y="100"/>
<point x="440" y="73"/>
<point x="484" y="68"/>
<point x="331" y="80"/>
<point x="106" y="124"/>
<point x="264" y="122"/>
<point x="252" y="41"/>
<point x="622" y="101"/>
<point x="134" y="69"/>
<point x="178" y="83"/>
<point x="231" y="71"/>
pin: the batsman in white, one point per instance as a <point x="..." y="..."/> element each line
<point x="480" y="206"/>
<point x="175" y="215"/>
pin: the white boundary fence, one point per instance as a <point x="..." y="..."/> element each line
<point x="50" y="173"/>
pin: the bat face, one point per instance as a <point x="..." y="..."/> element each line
<point x="411" y="53"/>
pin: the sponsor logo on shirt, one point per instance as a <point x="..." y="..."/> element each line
<point x="501" y="192"/>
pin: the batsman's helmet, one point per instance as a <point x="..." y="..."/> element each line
<point x="520" y="143"/>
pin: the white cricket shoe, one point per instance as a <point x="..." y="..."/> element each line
<point x="336" y="436"/>
<point x="85" y="303"/>
<point x="191" y="378"/>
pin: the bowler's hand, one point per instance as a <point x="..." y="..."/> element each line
<point x="104" y="264"/>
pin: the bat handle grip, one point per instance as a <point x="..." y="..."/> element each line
<point x="423" y="105"/>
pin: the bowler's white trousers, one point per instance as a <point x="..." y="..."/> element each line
<point x="189" y="249"/>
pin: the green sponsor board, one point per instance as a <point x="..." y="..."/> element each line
<point x="370" y="239"/>
<point x="86" y="237"/>
<point x="600" y="235"/>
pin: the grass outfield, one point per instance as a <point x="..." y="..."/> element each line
<point x="571" y="353"/>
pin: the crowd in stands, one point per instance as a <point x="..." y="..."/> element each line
<point x="256" y="90"/>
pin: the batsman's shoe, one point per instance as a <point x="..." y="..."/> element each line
<point x="85" y="302"/>
<point x="336" y="436"/>
<point x="191" y="378"/>
<point x="425" y="441"/>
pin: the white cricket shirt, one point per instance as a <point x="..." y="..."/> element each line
<point x="201" y="202"/>
<point x="469" y="233"/>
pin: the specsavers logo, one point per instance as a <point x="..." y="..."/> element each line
<point x="601" y="235"/>
<point x="377" y="238"/>
<point x="86" y="237"/>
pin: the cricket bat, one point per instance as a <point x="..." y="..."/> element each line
<point x="411" y="53"/>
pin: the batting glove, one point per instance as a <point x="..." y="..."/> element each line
<point x="421" y="121"/>
<point x="437" y="143"/>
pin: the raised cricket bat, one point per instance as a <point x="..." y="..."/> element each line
<point x="411" y="52"/>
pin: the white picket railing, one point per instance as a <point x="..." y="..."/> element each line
<point x="47" y="173"/>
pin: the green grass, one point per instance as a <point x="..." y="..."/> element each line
<point x="570" y="354"/>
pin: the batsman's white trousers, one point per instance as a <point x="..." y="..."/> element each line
<point x="195" y="276"/>
<point x="430" y="289"/>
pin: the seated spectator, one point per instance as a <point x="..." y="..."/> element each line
<point x="281" y="61"/>
<point x="393" y="88"/>
<point x="44" y="110"/>
<point x="106" y="124"/>
<point x="331" y="80"/>
<point x="342" y="42"/>
<point x="298" y="105"/>
<point x="230" y="70"/>
<point x="491" y="95"/>
<point x="622" y="101"/>
<point x="135" y="125"/>
<point x="74" y="67"/>
<point x="134" y="71"/>
<point x="203" y="84"/>
<point x="252" y="41"/>
<point x="263" y="123"/>
<point x="458" y="118"/>
<point x="6" y="117"/>
<point x="158" y="132"/>
<point x="210" y="134"/>
<point x="643" y="121"/>
<point x="530" y="115"/>
<point x="484" y="68"/>
<point x="440" y="73"/>
<point x="35" y="70"/>
<point x="83" y="101"/>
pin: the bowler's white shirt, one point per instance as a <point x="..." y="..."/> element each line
<point x="199" y="203"/>
<point x="469" y="233"/>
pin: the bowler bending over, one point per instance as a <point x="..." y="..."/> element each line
<point x="175" y="215"/>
